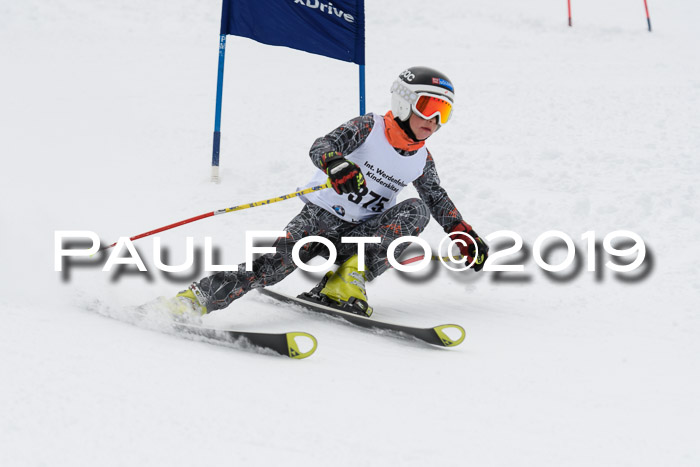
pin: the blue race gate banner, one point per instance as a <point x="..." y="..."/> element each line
<point x="334" y="29"/>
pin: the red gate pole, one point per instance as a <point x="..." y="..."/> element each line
<point x="646" y="8"/>
<point x="569" y="5"/>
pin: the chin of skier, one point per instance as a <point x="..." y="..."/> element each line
<point x="368" y="160"/>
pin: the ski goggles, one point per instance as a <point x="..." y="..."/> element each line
<point x="427" y="106"/>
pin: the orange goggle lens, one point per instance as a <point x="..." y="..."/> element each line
<point x="429" y="106"/>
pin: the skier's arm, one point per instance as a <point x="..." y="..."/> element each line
<point x="446" y="214"/>
<point x="343" y="140"/>
<point x="441" y="206"/>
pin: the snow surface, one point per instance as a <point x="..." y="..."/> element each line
<point x="106" y="117"/>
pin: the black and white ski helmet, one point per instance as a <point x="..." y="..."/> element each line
<point x="414" y="81"/>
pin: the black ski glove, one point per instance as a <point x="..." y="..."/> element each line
<point x="345" y="175"/>
<point x="469" y="248"/>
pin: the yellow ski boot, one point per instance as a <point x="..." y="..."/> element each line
<point x="346" y="287"/>
<point x="185" y="305"/>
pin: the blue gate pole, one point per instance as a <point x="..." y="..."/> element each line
<point x="362" y="89"/>
<point x="217" y="119"/>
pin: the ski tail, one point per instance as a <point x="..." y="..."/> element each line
<point x="446" y="340"/>
<point x="293" y="347"/>
<point x="288" y="344"/>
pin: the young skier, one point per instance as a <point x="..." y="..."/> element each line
<point x="368" y="160"/>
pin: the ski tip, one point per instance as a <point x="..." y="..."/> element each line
<point x="452" y="330"/>
<point x="304" y="340"/>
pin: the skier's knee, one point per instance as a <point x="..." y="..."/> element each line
<point x="419" y="214"/>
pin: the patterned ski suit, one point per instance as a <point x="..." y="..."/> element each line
<point x="408" y="217"/>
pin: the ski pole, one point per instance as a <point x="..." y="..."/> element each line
<point x="240" y="207"/>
